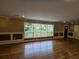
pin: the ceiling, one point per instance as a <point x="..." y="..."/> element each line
<point x="46" y="10"/>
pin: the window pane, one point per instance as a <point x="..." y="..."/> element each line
<point x="28" y="27"/>
<point x="33" y="30"/>
<point x="28" y="35"/>
<point x="50" y="28"/>
<point x="43" y="28"/>
<point x="37" y="27"/>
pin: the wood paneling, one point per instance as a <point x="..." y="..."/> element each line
<point x="9" y="24"/>
<point x="58" y="27"/>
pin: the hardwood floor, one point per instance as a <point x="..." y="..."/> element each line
<point x="51" y="49"/>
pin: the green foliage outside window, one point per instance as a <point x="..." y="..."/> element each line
<point x="38" y="30"/>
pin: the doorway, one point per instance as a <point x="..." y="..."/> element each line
<point x="65" y="32"/>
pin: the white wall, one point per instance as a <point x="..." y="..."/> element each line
<point x="76" y="31"/>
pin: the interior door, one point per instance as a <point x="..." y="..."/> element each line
<point x="65" y="32"/>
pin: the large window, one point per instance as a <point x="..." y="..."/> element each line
<point x="33" y="30"/>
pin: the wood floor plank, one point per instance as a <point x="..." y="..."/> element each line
<point x="51" y="49"/>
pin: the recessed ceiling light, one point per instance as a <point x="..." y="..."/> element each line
<point x="23" y="16"/>
<point x="64" y="21"/>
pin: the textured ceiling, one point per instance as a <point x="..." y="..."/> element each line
<point x="46" y="10"/>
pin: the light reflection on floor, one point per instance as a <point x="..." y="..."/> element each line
<point x="38" y="48"/>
